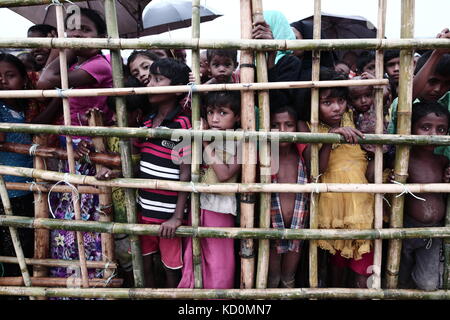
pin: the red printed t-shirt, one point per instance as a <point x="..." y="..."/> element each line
<point x="160" y="160"/>
<point x="100" y="69"/>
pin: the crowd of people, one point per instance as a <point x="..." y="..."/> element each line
<point x="347" y="111"/>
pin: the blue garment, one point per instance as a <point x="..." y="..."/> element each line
<point x="14" y="159"/>
<point x="281" y="30"/>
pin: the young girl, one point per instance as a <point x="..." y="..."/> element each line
<point x="13" y="76"/>
<point x="139" y="63"/>
<point x="342" y="163"/>
<point x="217" y="210"/>
<point x="88" y="69"/>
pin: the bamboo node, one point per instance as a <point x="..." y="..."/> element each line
<point x="248" y="198"/>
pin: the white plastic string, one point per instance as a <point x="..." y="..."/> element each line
<point x="192" y="88"/>
<point x="32" y="184"/>
<point x="406" y="190"/>
<point x="74" y="191"/>
<point x="33" y="149"/>
<point x="193" y="187"/>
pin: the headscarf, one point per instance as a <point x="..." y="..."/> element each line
<point x="280" y="28"/>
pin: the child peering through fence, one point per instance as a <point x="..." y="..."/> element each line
<point x="88" y="69"/>
<point x="221" y="111"/>
<point x="13" y="76"/>
<point x="343" y="163"/>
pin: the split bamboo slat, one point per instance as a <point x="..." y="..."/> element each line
<point x="41" y="236"/>
<point x="58" y="263"/>
<point x="379" y="106"/>
<point x="15" y="236"/>
<point x="446" y="276"/>
<point x="70" y="153"/>
<point x="248" y="119"/>
<point x="41" y="188"/>
<point x="402" y="152"/>
<point x="60" y="282"/>
<point x="125" y="146"/>
<point x="196" y="149"/>
<point x="105" y="198"/>
<point x="264" y="156"/>
<point x="313" y="208"/>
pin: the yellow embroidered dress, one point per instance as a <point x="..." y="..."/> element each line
<point x="347" y="164"/>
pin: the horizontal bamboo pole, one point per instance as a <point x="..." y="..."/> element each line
<point x="234" y="233"/>
<point x="60" y="282"/>
<point x="40" y="187"/>
<point x="305" y="137"/>
<point x="54" y="93"/>
<point x="59" y="263"/>
<point x="238" y="44"/>
<point x="20" y="3"/>
<point x="226" y="187"/>
<point x="107" y="159"/>
<point x="284" y="293"/>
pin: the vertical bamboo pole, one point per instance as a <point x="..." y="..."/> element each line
<point x="104" y="198"/>
<point x="248" y="151"/>
<point x="125" y="146"/>
<point x="313" y="224"/>
<point x="15" y="235"/>
<point x="69" y="146"/>
<point x="379" y="70"/>
<point x="403" y="127"/>
<point x="41" y="236"/>
<point x="446" y="276"/>
<point x="196" y="149"/>
<point x="264" y="156"/>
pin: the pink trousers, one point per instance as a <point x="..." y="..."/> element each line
<point x="218" y="263"/>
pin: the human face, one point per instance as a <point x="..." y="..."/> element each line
<point x="221" y="117"/>
<point x="283" y="122"/>
<point x="40" y="55"/>
<point x="435" y="87"/>
<point x="431" y="124"/>
<point x="298" y="36"/>
<point x="361" y="98"/>
<point x="393" y="69"/>
<point x="204" y="68"/>
<point x="221" y="68"/>
<point x="87" y="29"/>
<point x="10" y="77"/>
<point x="331" y="109"/>
<point x="158" y="80"/>
<point x="140" y="69"/>
<point x="370" y="67"/>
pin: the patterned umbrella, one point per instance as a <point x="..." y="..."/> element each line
<point x="129" y="14"/>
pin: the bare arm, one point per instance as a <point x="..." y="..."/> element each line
<point x="53" y="110"/>
<point x="428" y="69"/>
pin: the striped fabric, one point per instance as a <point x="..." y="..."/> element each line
<point x="160" y="160"/>
<point x="300" y="215"/>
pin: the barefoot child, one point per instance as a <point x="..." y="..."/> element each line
<point x="222" y="112"/>
<point x="419" y="267"/>
<point x="342" y="163"/>
<point x="289" y="210"/>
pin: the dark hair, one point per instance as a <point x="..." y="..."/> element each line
<point x="423" y="108"/>
<point x="364" y="59"/>
<point x="135" y="101"/>
<point x="94" y="16"/>
<point x="152" y="56"/>
<point x="42" y="28"/>
<point x="327" y="74"/>
<point x="229" y="53"/>
<point x="16" y="62"/>
<point x="442" y="67"/>
<point x="176" y="71"/>
<point x="286" y="108"/>
<point x="220" y="99"/>
<point x="390" y="54"/>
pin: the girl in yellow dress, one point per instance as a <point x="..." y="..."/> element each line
<point x="343" y="163"/>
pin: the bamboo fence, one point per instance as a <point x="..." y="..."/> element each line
<point x="251" y="10"/>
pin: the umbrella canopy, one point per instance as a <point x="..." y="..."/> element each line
<point x="129" y="14"/>
<point x="344" y="27"/>
<point x="163" y="16"/>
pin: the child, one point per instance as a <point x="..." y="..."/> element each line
<point x="289" y="210"/>
<point x="222" y="112"/>
<point x="222" y="64"/>
<point x="163" y="207"/>
<point x="88" y="69"/>
<point x="366" y="63"/>
<point x="13" y="76"/>
<point x="139" y="63"/>
<point x="420" y="257"/>
<point x="392" y="69"/>
<point x="342" y="163"/>
<point x="361" y="99"/>
<point x="204" y="67"/>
